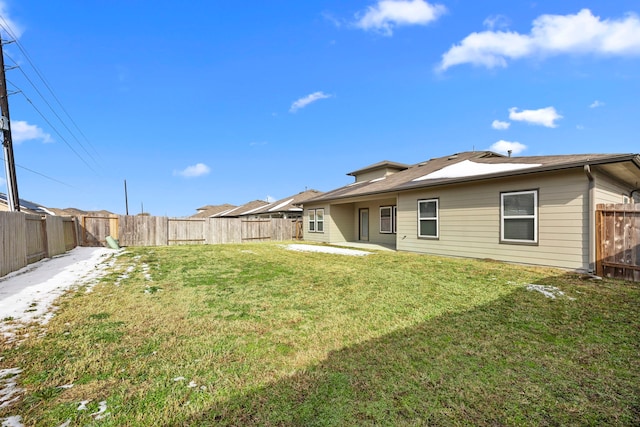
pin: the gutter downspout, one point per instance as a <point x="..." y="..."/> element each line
<point x="592" y="219"/>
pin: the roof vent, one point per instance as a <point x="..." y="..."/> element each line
<point x="455" y="156"/>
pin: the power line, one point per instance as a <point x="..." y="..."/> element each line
<point x="50" y="107"/>
<point x="57" y="132"/>
<point x="43" y="175"/>
<point x="7" y="28"/>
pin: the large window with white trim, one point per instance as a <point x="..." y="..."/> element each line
<point x="387" y="219"/>
<point x="428" y="218"/>
<point x="316" y="220"/>
<point x="519" y="216"/>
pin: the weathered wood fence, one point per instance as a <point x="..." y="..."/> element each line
<point x="28" y="238"/>
<point x="618" y="241"/>
<point x="163" y="231"/>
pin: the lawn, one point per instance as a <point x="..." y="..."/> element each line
<point x="255" y="334"/>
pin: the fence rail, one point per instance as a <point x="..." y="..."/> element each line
<point x="164" y="231"/>
<point x="618" y="241"/>
<point x="25" y="239"/>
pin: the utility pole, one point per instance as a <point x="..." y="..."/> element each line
<point x="5" y="124"/>
<point x="126" y="198"/>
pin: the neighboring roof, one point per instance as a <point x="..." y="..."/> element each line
<point x="241" y="210"/>
<point x="287" y="204"/>
<point x="480" y="165"/>
<point x="212" y="210"/>
<point x="26" y="206"/>
<point x="385" y="164"/>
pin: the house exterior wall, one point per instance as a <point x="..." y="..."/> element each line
<point x="314" y="236"/>
<point x="375" y="174"/>
<point x="469" y="220"/>
<point x="374" y="221"/>
<point x="609" y="190"/>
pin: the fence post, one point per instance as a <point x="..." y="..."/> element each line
<point x="599" y="241"/>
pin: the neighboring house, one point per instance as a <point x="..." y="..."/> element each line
<point x="212" y="210"/>
<point x="25" y="206"/>
<point x="239" y="211"/>
<point x="289" y="207"/>
<point x="78" y="212"/>
<point x="534" y="210"/>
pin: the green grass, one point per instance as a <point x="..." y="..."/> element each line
<point x="257" y="335"/>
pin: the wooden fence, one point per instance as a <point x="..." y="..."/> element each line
<point x="618" y="241"/>
<point x="28" y="238"/>
<point x="163" y="231"/>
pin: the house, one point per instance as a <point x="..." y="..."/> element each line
<point x="25" y="206"/>
<point x="533" y="210"/>
<point x="288" y="207"/>
<point x="239" y="211"/>
<point x="212" y="210"/>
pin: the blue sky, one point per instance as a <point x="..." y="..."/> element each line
<point x="211" y="102"/>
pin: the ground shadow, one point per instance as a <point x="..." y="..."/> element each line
<point x="524" y="359"/>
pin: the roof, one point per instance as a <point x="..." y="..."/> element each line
<point x="212" y="210"/>
<point x="245" y="209"/>
<point x="385" y="164"/>
<point x="287" y="204"/>
<point x="473" y="166"/>
<point x="26" y="206"/>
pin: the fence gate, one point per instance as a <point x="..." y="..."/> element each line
<point x="618" y="241"/>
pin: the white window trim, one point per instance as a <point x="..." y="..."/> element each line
<point x="395" y="219"/>
<point x="312" y="222"/>
<point x="436" y="219"/>
<point x="392" y="219"/>
<point x="318" y="221"/>
<point x="534" y="217"/>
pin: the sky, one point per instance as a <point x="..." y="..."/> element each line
<point x="210" y="102"/>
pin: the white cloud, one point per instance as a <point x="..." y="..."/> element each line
<point x="5" y="21"/>
<point x="3" y="182"/>
<point x="199" y="169"/>
<point x="544" y="116"/>
<point x="22" y="131"/>
<point x="582" y="33"/>
<point x="270" y="199"/>
<point x="387" y="14"/>
<point x="303" y="102"/>
<point x="503" y="147"/>
<point x="596" y="104"/>
<point x="496" y="21"/>
<point x="499" y="125"/>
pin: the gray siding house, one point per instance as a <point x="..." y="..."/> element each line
<point x="533" y="210"/>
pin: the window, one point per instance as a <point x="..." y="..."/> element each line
<point x="320" y="220"/>
<point x="395" y="216"/>
<point x="316" y="220"/>
<point x="312" y="220"/>
<point x="387" y="219"/>
<point x="519" y="212"/>
<point x="428" y="218"/>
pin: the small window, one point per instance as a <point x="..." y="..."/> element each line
<point x="519" y="211"/>
<point x="320" y="220"/>
<point x="386" y="219"/>
<point x="312" y="220"/>
<point x="428" y="218"/>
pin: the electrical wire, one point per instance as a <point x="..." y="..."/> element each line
<point x="7" y="28"/>
<point x="50" y="107"/>
<point x="43" y="175"/>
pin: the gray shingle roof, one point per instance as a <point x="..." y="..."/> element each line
<point x="410" y="177"/>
